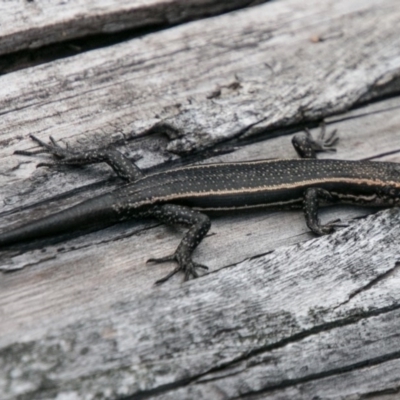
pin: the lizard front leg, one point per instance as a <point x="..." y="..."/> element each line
<point x="123" y="167"/>
<point x="307" y="147"/>
<point x="199" y="225"/>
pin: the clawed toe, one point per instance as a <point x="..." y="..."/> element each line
<point x="166" y="277"/>
<point x="324" y="142"/>
<point x="54" y="149"/>
<point x="332" y="226"/>
<point x="161" y="259"/>
<point x="200" y="266"/>
<point x="188" y="267"/>
<point x="38" y="141"/>
<point x="337" y="223"/>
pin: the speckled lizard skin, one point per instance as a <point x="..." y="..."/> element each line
<point x="181" y="195"/>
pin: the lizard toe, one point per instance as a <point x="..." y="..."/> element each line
<point x="185" y="265"/>
<point x="159" y="260"/>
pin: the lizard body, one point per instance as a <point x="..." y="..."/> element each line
<point x="178" y="196"/>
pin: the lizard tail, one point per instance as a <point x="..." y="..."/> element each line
<point x="76" y="217"/>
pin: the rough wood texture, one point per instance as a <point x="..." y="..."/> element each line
<point x="267" y="71"/>
<point x="31" y="24"/>
<point x="272" y="325"/>
<point x="316" y="318"/>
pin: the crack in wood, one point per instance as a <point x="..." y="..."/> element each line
<point x="380" y="155"/>
<point x="370" y="284"/>
<point x="71" y="248"/>
<point x="283" y="385"/>
<point x="38" y="262"/>
<point x="351" y="319"/>
<point x="158" y="343"/>
<point x="380" y="393"/>
<point x="336" y="371"/>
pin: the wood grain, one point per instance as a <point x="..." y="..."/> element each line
<point x="32" y="24"/>
<point x="302" y="313"/>
<point x="95" y="287"/>
<point x="282" y="314"/>
<point x="255" y="76"/>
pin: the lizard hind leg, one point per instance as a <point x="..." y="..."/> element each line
<point x="123" y="167"/>
<point x="199" y="225"/>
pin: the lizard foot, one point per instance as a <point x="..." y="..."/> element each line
<point x="307" y="146"/>
<point x="330" y="227"/>
<point x="324" y="142"/>
<point x="54" y="148"/>
<point x="185" y="264"/>
<point x="62" y="155"/>
<point x="336" y="223"/>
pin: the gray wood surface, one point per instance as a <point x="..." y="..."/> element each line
<point x="282" y="314"/>
<point x="31" y="24"/>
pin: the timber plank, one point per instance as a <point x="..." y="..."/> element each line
<point x="107" y="271"/>
<point x="315" y="317"/>
<point x="221" y="333"/>
<point x="32" y="24"/>
<point x="114" y="94"/>
<point x="231" y="82"/>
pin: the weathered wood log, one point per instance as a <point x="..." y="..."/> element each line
<point x="271" y="325"/>
<point x="266" y="71"/>
<point x="282" y="314"/>
<point x="133" y="88"/>
<point x="31" y="24"/>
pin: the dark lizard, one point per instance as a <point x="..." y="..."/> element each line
<point x="176" y="196"/>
